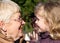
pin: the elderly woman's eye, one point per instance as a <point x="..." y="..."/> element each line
<point x="19" y="18"/>
<point x="15" y="19"/>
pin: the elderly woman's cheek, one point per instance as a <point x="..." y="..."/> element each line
<point x="12" y="28"/>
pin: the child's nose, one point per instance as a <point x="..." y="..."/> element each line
<point x="36" y="21"/>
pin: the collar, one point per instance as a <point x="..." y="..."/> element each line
<point x="44" y="35"/>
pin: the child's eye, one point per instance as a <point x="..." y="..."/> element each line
<point x="37" y="19"/>
<point x="34" y="19"/>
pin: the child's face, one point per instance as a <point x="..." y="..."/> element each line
<point x="41" y="22"/>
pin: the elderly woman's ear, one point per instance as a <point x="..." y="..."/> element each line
<point x="1" y="24"/>
<point x="2" y="27"/>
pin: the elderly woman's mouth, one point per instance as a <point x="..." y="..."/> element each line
<point x="21" y="27"/>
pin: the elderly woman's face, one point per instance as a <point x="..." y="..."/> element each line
<point x="14" y="27"/>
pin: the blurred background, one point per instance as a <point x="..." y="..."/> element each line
<point x="27" y="11"/>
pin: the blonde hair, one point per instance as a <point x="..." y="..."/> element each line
<point x="7" y="9"/>
<point x="51" y="12"/>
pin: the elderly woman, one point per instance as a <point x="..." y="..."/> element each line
<point x="47" y="22"/>
<point x="10" y="22"/>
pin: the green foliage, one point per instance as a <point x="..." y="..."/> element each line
<point x="27" y="11"/>
<point x="27" y="28"/>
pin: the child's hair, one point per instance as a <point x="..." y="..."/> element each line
<point x="51" y="12"/>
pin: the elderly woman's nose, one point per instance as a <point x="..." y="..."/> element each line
<point x="23" y="22"/>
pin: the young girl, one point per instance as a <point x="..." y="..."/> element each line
<point x="47" y="22"/>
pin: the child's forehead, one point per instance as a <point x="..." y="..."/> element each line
<point x="37" y="8"/>
<point x="41" y="12"/>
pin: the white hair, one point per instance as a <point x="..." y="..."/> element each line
<point x="7" y="8"/>
<point x="5" y="0"/>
